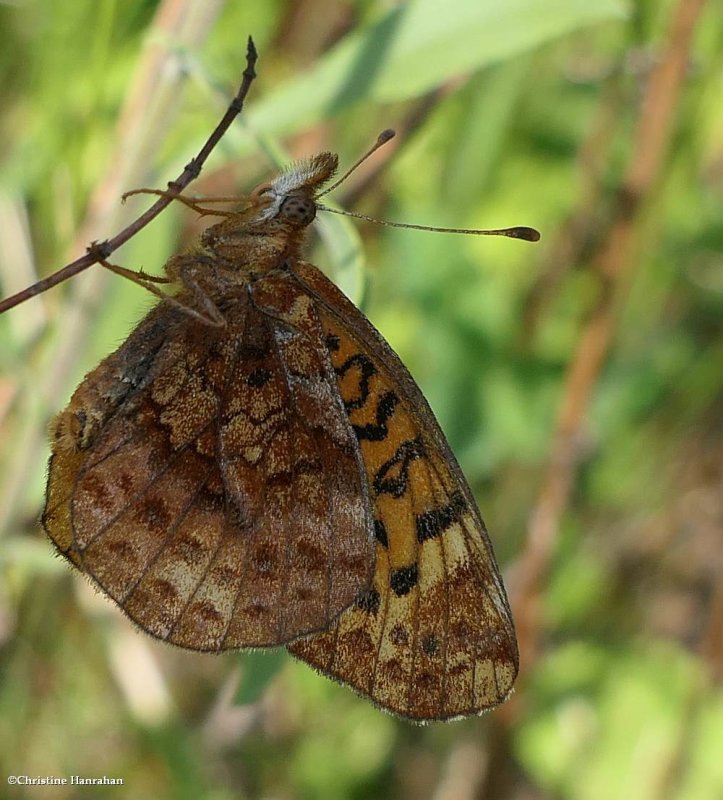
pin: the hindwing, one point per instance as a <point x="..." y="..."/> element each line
<point x="432" y="638"/>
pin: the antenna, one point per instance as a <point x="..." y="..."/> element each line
<point x="382" y="139"/>
<point x="517" y="232"/>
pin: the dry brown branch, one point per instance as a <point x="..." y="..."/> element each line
<point x="97" y="251"/>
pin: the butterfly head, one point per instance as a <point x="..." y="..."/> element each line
<point x="270" y="229"/>
<point x="290" y="197"/>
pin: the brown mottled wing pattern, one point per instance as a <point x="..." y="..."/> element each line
<point x="220" y="499"/>
<point x="432" y="638"/>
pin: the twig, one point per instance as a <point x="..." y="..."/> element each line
<point x="191" y="171"/>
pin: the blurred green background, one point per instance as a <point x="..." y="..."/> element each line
<point x="580" y="380"/>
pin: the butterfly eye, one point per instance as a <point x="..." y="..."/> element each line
<point x="298" y="209"/>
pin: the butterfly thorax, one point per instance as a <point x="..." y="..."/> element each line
<point x="238" y="247"/>
<point x="269" y="231"/>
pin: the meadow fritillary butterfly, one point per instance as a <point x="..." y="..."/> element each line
<point x="254" y="467"/>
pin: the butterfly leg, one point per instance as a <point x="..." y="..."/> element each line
<point x="187" y="201"/>
<point x="215" y="319"/>
<point x="140" y="277"/>
<point x="186" y="270"/>
<point x="96" y="250"/>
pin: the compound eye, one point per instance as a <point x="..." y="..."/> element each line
<point x="298" y="209"/>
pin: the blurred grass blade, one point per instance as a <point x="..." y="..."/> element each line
<point x="415" y="47"/>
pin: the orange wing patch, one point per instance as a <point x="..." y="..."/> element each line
<point x="433" y="637"/>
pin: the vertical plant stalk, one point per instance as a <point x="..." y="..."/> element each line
<point x="568" y="247"/>
<point x="613" y="262"/>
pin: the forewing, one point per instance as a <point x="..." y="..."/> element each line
<point x="433" y="637"/>
<point x="204" y="504"/>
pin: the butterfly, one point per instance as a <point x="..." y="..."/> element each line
<point x="255" y="467"/>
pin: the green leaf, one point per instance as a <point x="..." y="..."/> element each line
<point x="432" y="44"/>
<point x="417" y="46"/>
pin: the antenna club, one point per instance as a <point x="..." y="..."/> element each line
<point x="523" y="232"/>
<point x="385" y="136"/>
